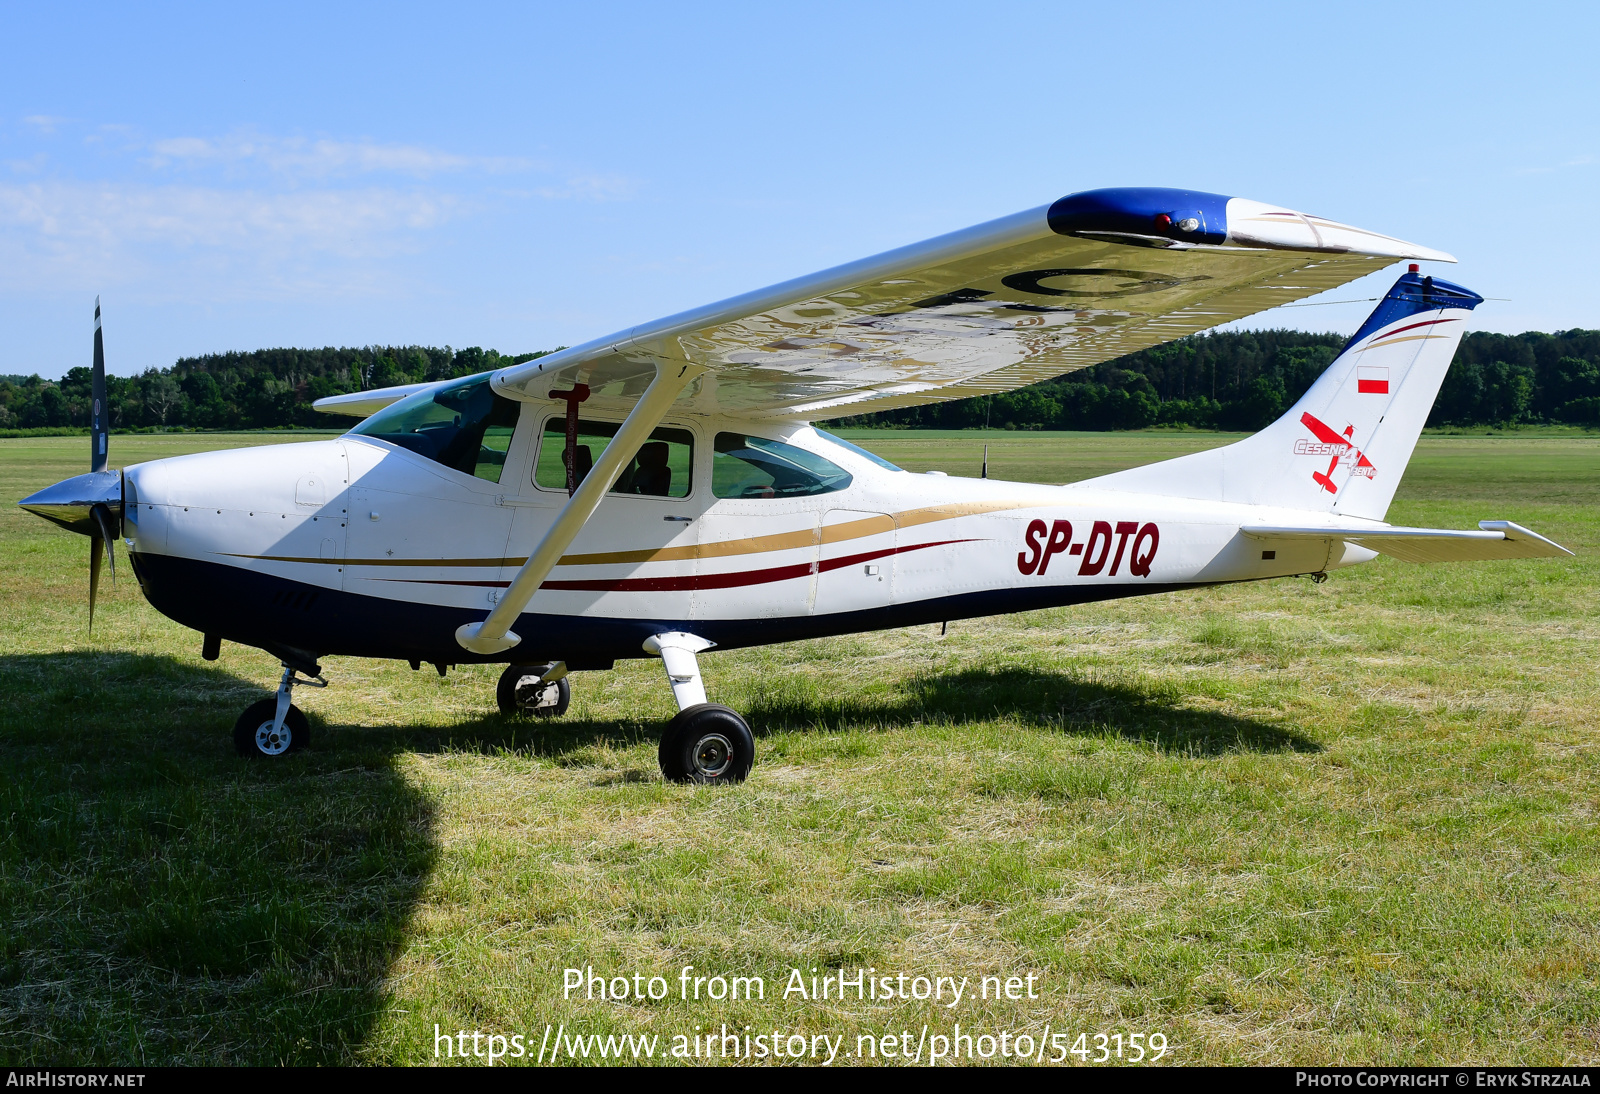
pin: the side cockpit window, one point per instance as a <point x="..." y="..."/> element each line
<point x="858" y="450"/>
<point x="754" y="467"/>
<point x="659" y="469"/>
<point x="463" y="425"/>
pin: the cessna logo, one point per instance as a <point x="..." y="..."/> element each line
<point x="1339" y="447"/>
<point x="1045" y="541"/>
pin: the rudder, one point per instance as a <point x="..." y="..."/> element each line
<point x="1344" y="446"/>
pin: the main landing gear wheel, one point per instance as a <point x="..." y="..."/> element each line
<point x="519" y="692"/>
<point x="707" y="743"/>
<point x="253" y="734"/>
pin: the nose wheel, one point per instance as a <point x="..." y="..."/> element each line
<point x="258" y="734"/>
<point x="540" y="690"/>
<point x="270" y="728"/>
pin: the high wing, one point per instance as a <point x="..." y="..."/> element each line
<point x="999" y="306"/>
<point x="1496" y="539"/>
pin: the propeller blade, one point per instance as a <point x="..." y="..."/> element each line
<point x="103" y="522"/>
<point x="98" y="430"/>
<point x="100" y="517"/>
<point x="90" y="504"/>
<point x="72" y="503"/>
<point x="95" y="543"/>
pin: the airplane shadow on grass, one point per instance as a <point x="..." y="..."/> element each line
<point x="164" y="900"/>
<point x="1157" y="716"/>
<point x="1048" y="700"/>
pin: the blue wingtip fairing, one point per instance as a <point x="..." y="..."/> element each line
<point x="1412" y="294"/>
<point x="1152" y="215"/>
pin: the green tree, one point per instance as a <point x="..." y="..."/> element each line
<point x="161" y="395"/>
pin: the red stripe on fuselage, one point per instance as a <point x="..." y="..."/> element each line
<point x="737" y="579"/>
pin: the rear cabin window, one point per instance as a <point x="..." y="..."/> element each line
<point x="754" y="467"/>
<point x="463" y="425"/>
<point x="659" y="469"/>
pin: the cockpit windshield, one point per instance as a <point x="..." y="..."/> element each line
<point x="462" y="424"/>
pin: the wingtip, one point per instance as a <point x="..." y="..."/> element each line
<point x="1427" y="254"/>
<point x="1514" y="531"/>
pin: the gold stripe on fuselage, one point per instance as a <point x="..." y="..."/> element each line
<point x="780" y="541"/>
<point x="788" y="541"/>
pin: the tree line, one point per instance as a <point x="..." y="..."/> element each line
<point x="1234" y="380"/>
<point x="263" y="389"/>
<point x="1244" y="380"/>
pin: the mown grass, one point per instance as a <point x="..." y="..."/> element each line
<point x="1353" y="822"/>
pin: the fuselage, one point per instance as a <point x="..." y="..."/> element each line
<point x="359" y="546"/>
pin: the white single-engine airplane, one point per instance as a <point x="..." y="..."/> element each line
<point x="662" y="491"/>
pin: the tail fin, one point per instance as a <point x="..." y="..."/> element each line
<point x="1343" y="447"/>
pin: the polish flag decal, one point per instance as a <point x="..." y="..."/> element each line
<point x="1372" y="380"/>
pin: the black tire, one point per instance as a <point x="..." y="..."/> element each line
<point x="506" y="693"/>
<point x="252" y="732"/>
<point x="707" y="744"/>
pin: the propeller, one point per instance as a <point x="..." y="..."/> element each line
<point x="99" y="436"/>
<point x="91" y="504"/>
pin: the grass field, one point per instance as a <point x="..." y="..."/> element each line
<point x="1353" y="822"/>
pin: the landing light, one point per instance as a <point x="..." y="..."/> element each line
<point x="1188" y="224"/>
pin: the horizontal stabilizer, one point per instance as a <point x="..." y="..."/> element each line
<point x="1496" y="539"/>
<point x="361" y="404"/>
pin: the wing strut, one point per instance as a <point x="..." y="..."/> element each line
<point x="494" y="634"/>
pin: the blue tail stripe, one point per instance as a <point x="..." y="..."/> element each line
<point x="1412" y="295"/>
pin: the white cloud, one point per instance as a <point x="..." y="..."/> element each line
<point x="212" y="243"/>
<point x="44" y="123"/>
<point x="1577" y="161"/>
<point x="253" y="217"/>
<point x="321" y="159"/>
<point x="293" y="160"/>
<point x="583" y="187"/>
<point x="30" y="166"/>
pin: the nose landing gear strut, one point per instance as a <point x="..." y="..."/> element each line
<point x="272" y="727"/>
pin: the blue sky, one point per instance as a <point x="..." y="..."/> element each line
<point x="525" y="176"/>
